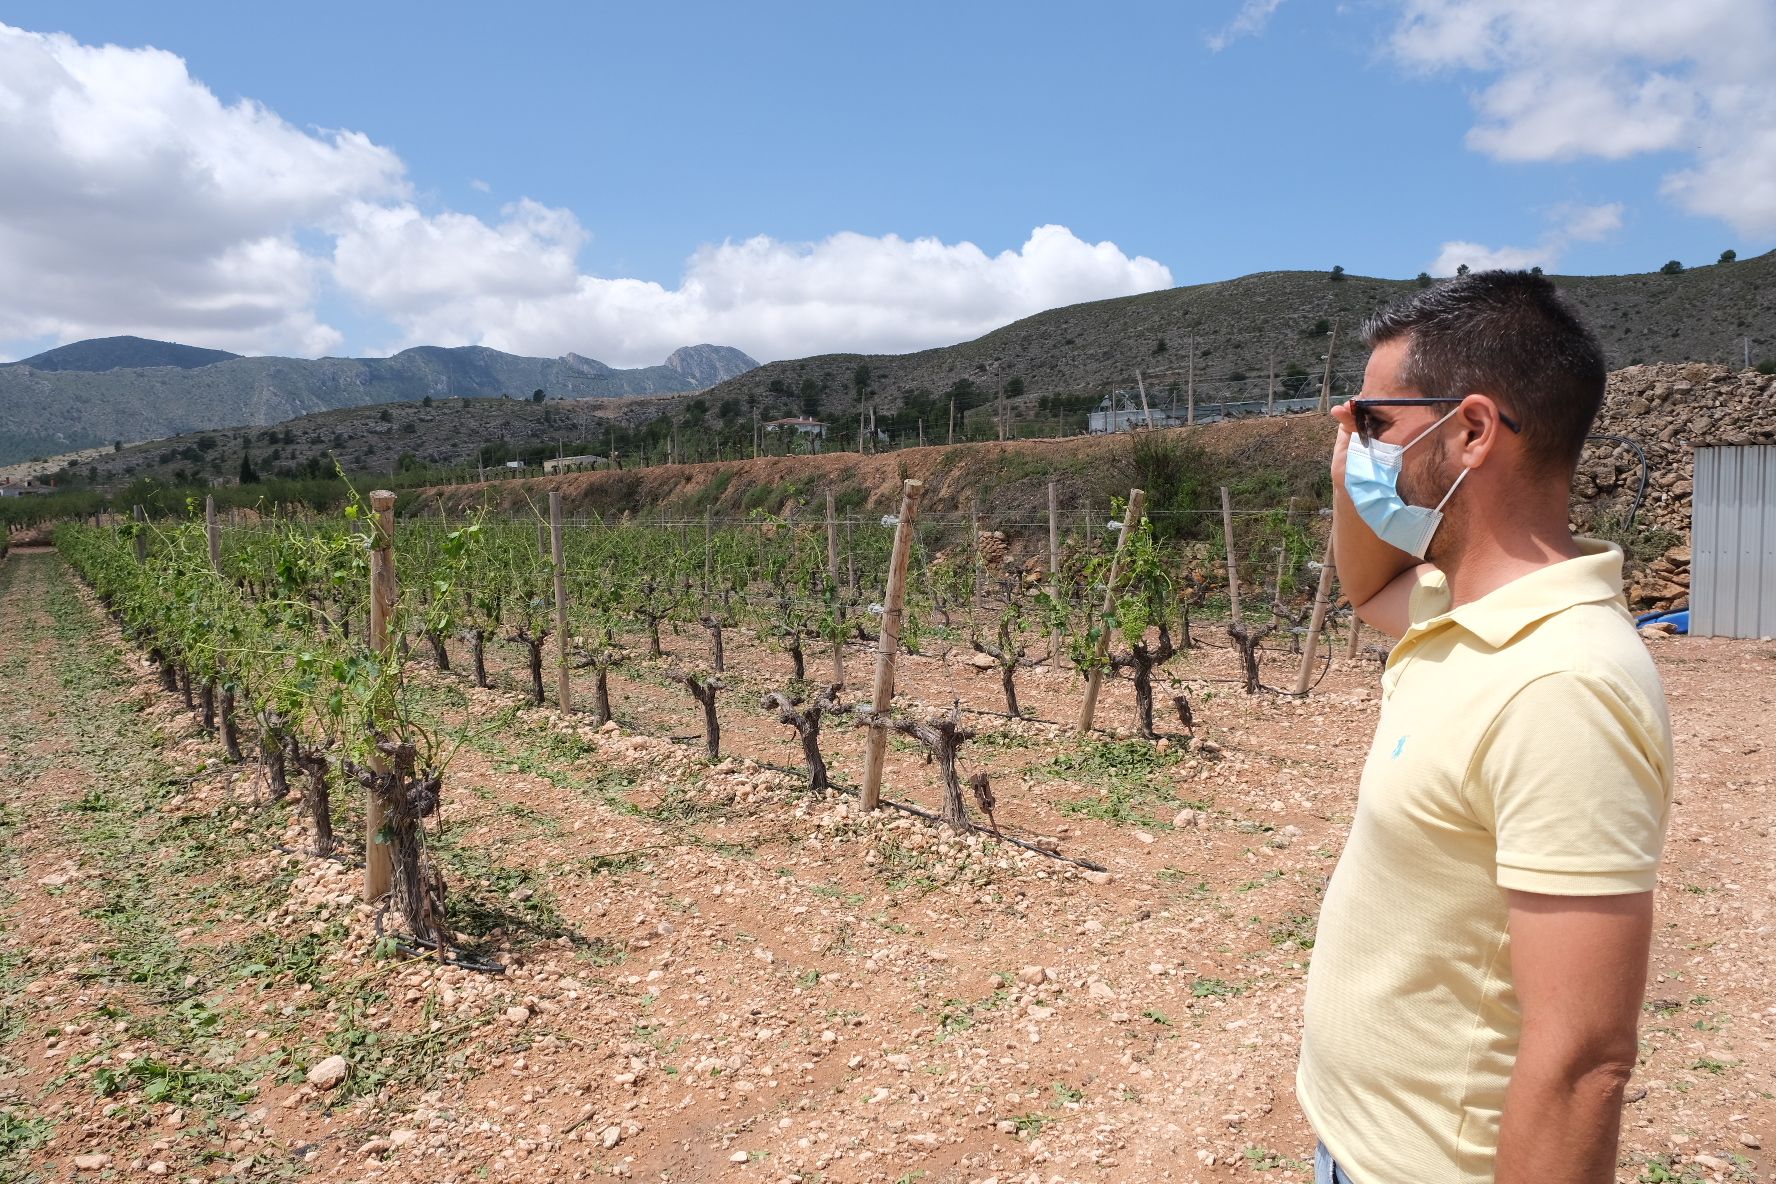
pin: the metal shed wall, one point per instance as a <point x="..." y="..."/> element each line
<point x="1733" y="543"/>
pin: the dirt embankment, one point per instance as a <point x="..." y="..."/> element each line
<point x="1009" y="480"/>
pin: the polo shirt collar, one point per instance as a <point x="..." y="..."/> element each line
<point x="1593" y="577"/>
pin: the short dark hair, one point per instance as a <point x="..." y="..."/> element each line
<point x="1507" y="334"/>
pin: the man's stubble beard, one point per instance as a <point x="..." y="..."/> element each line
<point x="1426" y="488"/>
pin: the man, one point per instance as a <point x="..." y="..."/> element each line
<point x="1476" y="984"/>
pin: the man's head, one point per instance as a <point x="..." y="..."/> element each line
<point x="1509" y="336"/>
<point x="1514" y="378"/>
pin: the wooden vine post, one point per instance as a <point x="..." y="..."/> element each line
<point x="888" y="645"/>
<point x="213" y="533"/>
<point x="1322" y="602"/>
<point x="1094" y="682"/>
<point x="832" y="579"/>
<point x="563" y="683"/>
<point x="1054" y="573"/>
<point x="1233" y="579"/>
<point x="378" y="859"/>
<point x="141" y="517"/>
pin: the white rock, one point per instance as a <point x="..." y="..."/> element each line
<point x="328" y="1073"/>
<point x="739" y="1157"/>
<point x="94" y="1162"/>
<point x="612" y="1136"/>
<point x="1034" y="976"/>
<point x="518" y="1015"/>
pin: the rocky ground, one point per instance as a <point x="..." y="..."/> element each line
<point x="709" y="974"/>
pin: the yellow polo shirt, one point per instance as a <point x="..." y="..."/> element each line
<point x="1523" y="744"/>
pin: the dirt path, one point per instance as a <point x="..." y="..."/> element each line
<point x="710" y="976"/>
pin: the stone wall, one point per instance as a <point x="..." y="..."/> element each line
<point x="1669" y="410"/>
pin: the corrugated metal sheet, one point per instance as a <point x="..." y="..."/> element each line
<point x="1733" y="543"/>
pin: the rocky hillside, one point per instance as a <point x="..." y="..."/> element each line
<point x="1236" y="328"/>
<point x="51" y="411"/>
<point x="114" y="353"/>
<point x="376" y="439"/>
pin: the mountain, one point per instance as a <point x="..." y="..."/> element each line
<point x="45" y="411"/>
<point x="100" y="354"/>
<point x="1240" y="326"/>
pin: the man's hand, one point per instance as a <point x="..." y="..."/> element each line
<point x="1377" y="578"/>
<point x="1579" y="966"/>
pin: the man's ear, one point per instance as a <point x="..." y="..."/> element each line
<point x="1481" y="428"/>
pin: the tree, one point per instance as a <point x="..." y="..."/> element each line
<point x="1159" y="347"/>
<point x="247" y="474"/>
<point x="426" y="402"/>
<point x="536" y="396"/>
<point x="860" y="381"/>
<point x="810" y="395"/>
<point x="1462" y="270"/>
<point x="1728" y="255"/>
<point x="1536" y="270"/>
<point x="1337" y="275"/>
<point x="1014" y="388"/>
<point x="1673" y="267"/>
<point x="117" y="446"/>
<point x="1424" y="279"/>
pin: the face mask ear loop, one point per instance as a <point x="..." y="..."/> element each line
<point x="1452" y="490"/>
<point x="1429" y="430"/>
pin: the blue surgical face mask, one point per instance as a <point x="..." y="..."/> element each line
<point x="1372" y="476"/>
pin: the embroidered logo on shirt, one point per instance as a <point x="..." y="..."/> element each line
<point x="1399" y="747"/>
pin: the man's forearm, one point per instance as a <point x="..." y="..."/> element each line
<point x="1366" y="565"/>
<point x="1561" y="1122"/>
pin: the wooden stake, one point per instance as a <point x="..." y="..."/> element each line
<point x="952" y="419"/>
<point x="888" y="645"/>
<point x="1142" y="387"/>
<point x="563" y="683"/>
<point x="213" y="533"/>
<point x="1270" y="397"/>
<point x="1356" y="639"/>
<point x="1088" y="707"/>
<point x="378" y="859"/>
<point x="1322" y="602"/>
<point x="141" y="517"/>
<point x="1233" y="581"/>
<point x="832" y="577"/>
<point x="1054" y="573"/>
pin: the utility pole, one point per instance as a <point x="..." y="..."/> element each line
<point x="1270" y="397"/>
<point x="1326" y="379"/>
<point x="1190" y="380"/>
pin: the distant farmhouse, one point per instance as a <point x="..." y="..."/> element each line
<point x="800" y="425"/>
<point x="11" y="488"/>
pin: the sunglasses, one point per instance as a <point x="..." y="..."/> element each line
<point x="1363" y="415"/>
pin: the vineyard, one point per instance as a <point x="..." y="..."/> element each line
<point x="276" y="627"/>
<point x="804" y="846"/>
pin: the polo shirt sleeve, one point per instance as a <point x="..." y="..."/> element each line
<point x="1575" y="785"/>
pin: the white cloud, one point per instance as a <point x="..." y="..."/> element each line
<point x="1618" y="78"/>
<point x="1568" y="224"/>
<point x="447" y="282"/>
<point x="135" y="201"/>
<point x="1250" y="21"/>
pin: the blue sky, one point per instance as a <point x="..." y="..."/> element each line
<point x="519" y="161"/>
